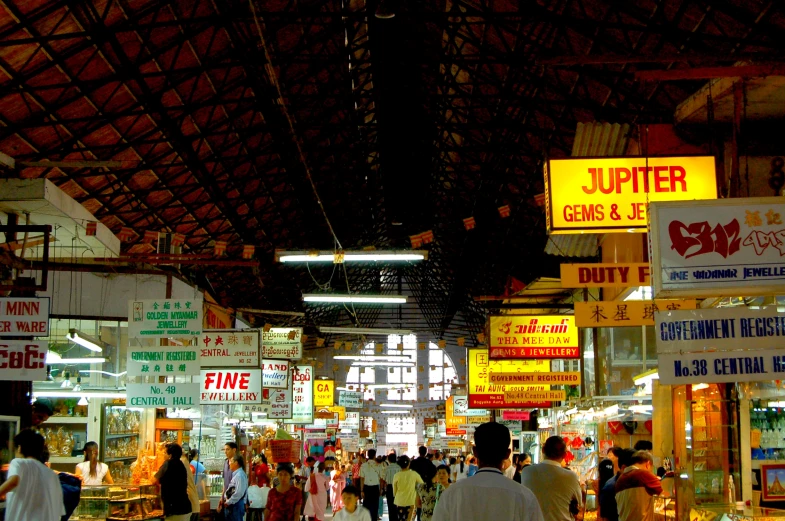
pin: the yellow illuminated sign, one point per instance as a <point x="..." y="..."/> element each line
<point x="323" y="393"/>
<point x="486" y="395"/>
<point x="624" y="313"/>
<point x="610" y="194"/>
<point x="605" y="275"/>
<point x="535" y="396"/>
<point x="533" y="336"/>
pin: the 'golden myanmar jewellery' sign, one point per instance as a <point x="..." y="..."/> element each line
<point x="610" y="194"/>
<point x="533" y="336"/>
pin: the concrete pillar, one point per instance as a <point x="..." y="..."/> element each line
<point x="662" y="420"/>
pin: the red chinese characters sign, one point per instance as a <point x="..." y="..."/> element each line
<point x="229" y="348"/>
<point x="708" y="248"/>
<point x="533" y="336"/>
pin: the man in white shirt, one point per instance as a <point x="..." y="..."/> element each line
<point x="488" y="494"/>
<point x="557" y="489"/>
<point x="370" y="484"/>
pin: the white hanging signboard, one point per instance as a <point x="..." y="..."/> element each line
<point x="350" y="399"/>
<point x="234" y="386"/>
<point x="230" y="348"/>
<point x="718" y="248"/>
<point x="283" y="343"/>
<point x="461" y="408"/>
<point x="163" y="318"/>
<point x="351" y="421"/>
<point x="718" y="329"/>
<point x="162" y="395"/>
<point x="24" y="316"/>
<point x="723" y="366"/>
<point x="302" y="395"/>
<point x="275" y="374"/>
<point x="163" y="361"/>
<point x="23" y="360"/>
<point x="278" y="403"/>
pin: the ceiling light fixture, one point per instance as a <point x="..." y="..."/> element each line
<point x="53" y="358"/>
<point x="88" y="394"/>
<point x="396" y="412"/>
<point x="83" y="401"/>
<point x="364" y="331"/>
<point x="107" y="373"/>
<point x="354" y="299"/>
<point x="66" y="381"/>
<point x="397" y="405"/>
<point x="351" y="256"/>
<point x="383" y="364"/>
<point x="77" y="337"/>
<point x="384" y="11"/>
<point x="380" y="358"/>
<point x="78" y="386"/>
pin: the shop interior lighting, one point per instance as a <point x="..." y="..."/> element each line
<point x="402" y="411"/>
<point x="78" y="386"/>
<point x="641" y="408"/>
<point x="647" y="377"/>
<point x="351" y="256"/>
<point x="397" y="405"/>
<point x="53" y="358"/>
<point x="699" y="387"/>
<point x="77" y="337"/>
<point x="83" y="401"/>
<point x="776" y="404"/>
<point x="107" y="373"/>
<point x="364" y="331"/>
<point x="354" y="299"/>
<point x="571" y="411"/>
<point x="66" y="381"/>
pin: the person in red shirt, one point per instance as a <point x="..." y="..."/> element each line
<point x="356" y="469"/>
<point x="636" y="487"/>
<point x="261" y="471"/>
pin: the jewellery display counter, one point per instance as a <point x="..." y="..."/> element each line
<point x="731" y="513"/>
<point x="119" y="503"/>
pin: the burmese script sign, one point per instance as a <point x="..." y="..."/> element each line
<point x="283" y="343"/>
<point x="164" y="318"/>
<point x="610" y="194"/>
<point x="164" y="361"/>
<point x="533" y="336"/>
<point x="719" y="248"/>
<point x="24" y="316"/>
<point x="23" y="360"/>
<point x="278" y="403"/>
<point x="302" y="395"/>
<point x="236" y="386"/>
<point x="162" y="395"/>
<point x="230" y="348"/>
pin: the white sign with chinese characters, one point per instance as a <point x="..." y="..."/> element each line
<point x="23" y="360"/>
<point x="718" y="248"/>
<point x="230" y="348"/>
<point x="275" y="374"/>
<point x="163" y="361"/>
<point x="164" y="318"/>
<point x="302" y="395"/>
<point x="283" y="343"/>
<point x="24" y="316"/>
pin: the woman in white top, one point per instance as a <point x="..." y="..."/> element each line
<point x="92" y="471"/>
<point x="459" y="469"/>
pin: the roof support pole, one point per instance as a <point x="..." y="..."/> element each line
<point x="738" y="109"/>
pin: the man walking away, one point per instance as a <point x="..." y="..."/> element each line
<point x="557" y="489"/>
<point x="607" y="497"/>
<point x="370" y="482"/>
<point x="488" y="494"/>
<point x="424" y="467"/>
<point x="389" y="474"/>
<point x="636" y="487"/>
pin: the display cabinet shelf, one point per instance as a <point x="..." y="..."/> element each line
<point x="62" y="420"/>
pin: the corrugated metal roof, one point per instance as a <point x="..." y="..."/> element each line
<point x="573" y="245"/>
<point x="592" y="139"/>
<point x="600" y="139"/>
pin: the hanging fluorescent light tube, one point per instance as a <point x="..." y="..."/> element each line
<point x="382" y="364"/>
<point x="397" y="405"/>
<point x="53" y="358"/>
<point x="354" y="299"/>
<point x="70" y="394"/>
<point x="77" y="337"/>
<point x="371" y="358"/>
<point x="397" y="412"/>
<point x="352" y="256"/>
<point x="364" y="331"/>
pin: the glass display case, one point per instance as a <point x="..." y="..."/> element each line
<point x="120" y="444"/>
<point x="731" y="513"/>
<point x="135" y="503"/>
<point x="664" y="508"/>
<point x="119" y="503"/>
<point x="93" y="504"/>
<point x="706" y="447"/>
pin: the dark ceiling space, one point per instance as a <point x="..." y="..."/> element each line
<point x="223" y="116"/>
